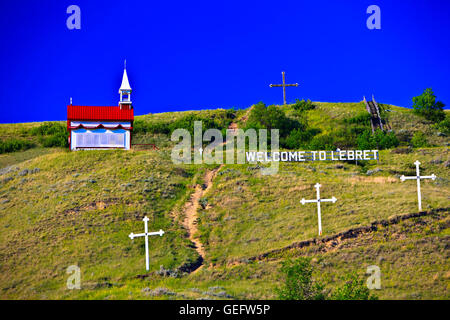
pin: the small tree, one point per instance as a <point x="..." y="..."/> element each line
<point x="298" y="282"/>
<point x="273" y="117"/>
<point x="354" y="288"/>
<point x="300" y="285"/>
<point x="419" y="140"/>
<point x="444" y="125"/>
<point x="427" y="106"/>
<point x="302" y="105"/>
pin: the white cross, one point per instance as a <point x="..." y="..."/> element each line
<point x="418" y="177"/>
<point x="318" y="200"/>
<point x="146" y="234"/>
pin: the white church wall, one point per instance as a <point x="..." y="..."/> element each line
<point x="94" y="124"/>
<point x="100" y="138"/>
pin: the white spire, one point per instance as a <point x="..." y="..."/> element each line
<point x="125" y="84"/>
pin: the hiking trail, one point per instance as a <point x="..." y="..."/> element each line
<point x="190" y="217"/>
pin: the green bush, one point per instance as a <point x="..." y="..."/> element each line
<point x="361" y="119"/>
<point x="52" y="134"/>
<point x="419" y="140"/>
<point x="427" y="106"/>
<point x="49" y="128"/>
<point x="380" y="140"/>
<point x="444" y="125"/>
<point x="56" y="140"/>
<point x="12" y="145"/>
<point x="322" y="142"/>
<point x="187" y="122"/>
<point x="300" y="138"/>
<point x="303" y="105"/>
<point x="141" y="126"/>
<point x="231" y="113"/>
<point x="273" y="117"/>
<point x="298" y="282"/>
<point x="386" y="140"/>
<point x="353" y="288"/>
<point x="345" y="137"/>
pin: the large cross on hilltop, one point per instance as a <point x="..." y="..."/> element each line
<point x="284" y="85"/>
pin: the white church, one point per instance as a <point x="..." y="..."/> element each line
<point x="92" y="127"/>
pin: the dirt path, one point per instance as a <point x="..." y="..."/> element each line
<point x="191" y="216"/>
<point x="245" y="117"/>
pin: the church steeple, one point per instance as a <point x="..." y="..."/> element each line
<point x="125" y="91"/>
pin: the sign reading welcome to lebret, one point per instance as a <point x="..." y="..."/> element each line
<point x="293" y="156"/>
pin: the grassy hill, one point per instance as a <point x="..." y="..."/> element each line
<point x="60" y="208"/>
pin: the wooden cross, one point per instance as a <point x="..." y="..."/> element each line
<point x="318" y="200"/>
<point x="146" y="234"/>
<point x="284" y="85"/>
<point x="418" y="177"/>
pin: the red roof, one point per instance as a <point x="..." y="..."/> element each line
<point x="99" y="113"/>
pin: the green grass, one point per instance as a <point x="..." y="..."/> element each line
<point x="79" y="208"/>
<point x="56" y="216"/>
<point x="251" y="213"/>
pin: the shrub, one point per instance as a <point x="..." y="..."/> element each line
<point x="380" y="140"/>
<point x="298" y="282"/>
<point x="366" y="141"/>
<point x="299" y="138"/>
<point x="354" y="288"/>
<point x="303" y="105"/>
<point x="52" y="134"/>
<point x="272" y="117"/>
<point x="444" y="125"/>
<point x="12" y="145"/>
<point x="419" y="140"/>
<point x="404" y="136"/>
<point x="322" y="142"/>
<point x="141" y="126"/>
<point x="427" y="106"/>
<point x="231" y="113"/>
<point x="386" y="140"/>
<point x="48" y="128"/>
<point x="56" y="140"/>
<point x="218" y="121"/>
<point x="203" y="202"/>
<point x="187" y="122"/>
<point x="362" y="119"/>
<point x="345" y="137"/>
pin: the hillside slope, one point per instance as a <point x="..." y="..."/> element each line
<point x="61" y="208"/>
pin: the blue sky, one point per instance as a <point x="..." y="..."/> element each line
<point x="218" y="54"/>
